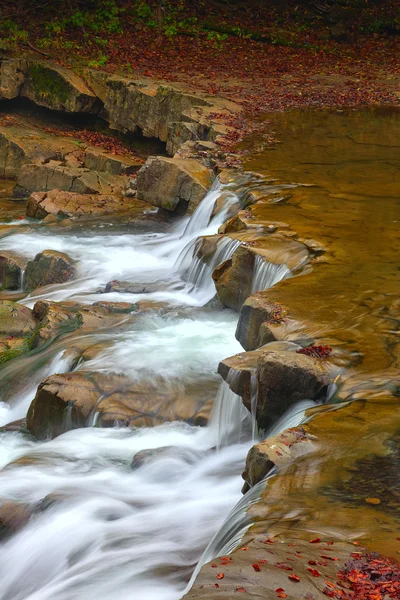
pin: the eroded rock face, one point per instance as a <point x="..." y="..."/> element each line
<point x="279" y="378"/>
<point x="233" y="278"/>
<point x="254" y="328"/>
<point x="12" y="267"/>
<point x="173" y="182"/>
<point x="49" y="267"/>
<point x="70" y="204"/>
<point x="72" y="400"/>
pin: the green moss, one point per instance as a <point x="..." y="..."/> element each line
<point x="10" y="353"/>
<point x="48" y="84"/>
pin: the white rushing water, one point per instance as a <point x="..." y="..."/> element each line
<point x="102" y="528"/>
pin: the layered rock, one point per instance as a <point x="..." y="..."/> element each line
<point x="274" y="380"/>
<point x="73" y="205"/>
<point x="173" y="183"/>
<point x="49" y="267"/>
<point x="79" y="399"/>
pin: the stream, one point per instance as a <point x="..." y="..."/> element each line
<point x="104" y="528"/>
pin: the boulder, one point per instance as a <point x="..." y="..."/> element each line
<point x="97" y="160"/>
<point x="13" y="516"/>
<point x="55" y="175"/>
<point x="79" y="399"/>
<point x="173" y="183"/>
<point x="49" y="267"/>
<point x="71" y="204"/>
<point x="276" y="378"/>
<point x="233" y="278"/>
<point x="57" y="88"/>
<point x="12" y="269"/>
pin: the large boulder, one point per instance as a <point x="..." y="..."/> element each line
<point x="71" y="204"/>
<point x="173" y="183"/>
<point x="16" y="319"/>
<point x="57" y="88"/>
<point x="12" y="268"/>
<point x="80" y="399"/>
<point x="276" y="379"/>
<point x="48" y="267"/>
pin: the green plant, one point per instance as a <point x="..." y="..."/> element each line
<point x="218" y="38"/>
<point x="100" y="61"/>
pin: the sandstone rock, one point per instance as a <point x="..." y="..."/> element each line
<point x="280" y="451"/>
<point x="72" y="400"/>
<point x="13" y="516"/>
<point x="71" y="204"/>
<point x="256" y="312"/>
<point x="147" y="106"/>
<point x="48" y="267"/>
<point x="233" y="278"/>
<point x="173" y="183"/>
<point x="57" y="88"/>
<point x="97" y="160"/>
<point x="278" y="378"/>
<point x="16" y="319"/>
<point x="12" y="267"/>
<point x="181" y="132"/>
<point x="56" y="176"/>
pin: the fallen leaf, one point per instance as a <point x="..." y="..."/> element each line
<point x="256" y="567"/>
<point x="315" y="541"/>
<point x="220" y="576"/>
<point x="372" y="500"/>
<point x="240" y="589"/>
<point x="294" y="578"/>
<point x="314" y="572"/>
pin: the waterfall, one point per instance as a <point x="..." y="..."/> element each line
<point x="200" y="219"/>
<point x="230" y="420"/>
<point x="267" y="274"/>
<point x="230" y="535"/>
<point x="294" y="416"/>
<point x="21" y="280"/>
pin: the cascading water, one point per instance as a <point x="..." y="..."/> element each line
<point x="103" y="526"/>
<point x="267" y="274"/>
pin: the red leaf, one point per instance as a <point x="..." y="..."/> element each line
<point x="282" y="595"/>
<point x="214" y="566"/>
<point x="240" y="590"/>
<point x="256" y="567"/>
<point x="283" y="566"/>
<point x="279" y="590"/>
<point x="312" y="562"/>
<point x="314" y="572"/>
<point x="315" y="541"/>
<point x="294" y="578"/>
<point x="216" y="585"/>
<point x="220" y="576"/>
<point x="262" y="561"/>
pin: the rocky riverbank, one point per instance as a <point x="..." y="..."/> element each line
<point x="286" y="359"/>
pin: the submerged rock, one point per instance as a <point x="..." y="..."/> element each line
<point x="49" y="267"/>
<point x="80" y="399"/>
<point x="13" y="516"/>
<point x="276" y="379"/>
<point x="173" y="183"/>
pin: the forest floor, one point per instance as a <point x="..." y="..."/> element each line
<point x="263" y="58"/>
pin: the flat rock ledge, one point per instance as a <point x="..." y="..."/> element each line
<point x="73" y="205"/>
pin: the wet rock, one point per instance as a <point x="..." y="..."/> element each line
<point x="57" y="176"/>
<point x="71" y="204"/>
<point x="127" y="287"/>
<point x="16" y="319"/>
<point x="12" y="267"/>
<point x="280" y="451"/>
<point x="278" y="378"/>
<point x="13" y="516"/>
<point x="49" y="267"/>
<point x="57" y="88"/>
<point x="254" y="328"/>
<point x="17" y="426"/>
<point x="144" y="457"/>
<point x="72" y="400"/>
<point x="173" y="183"/>
<point x="233" y="278"/>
